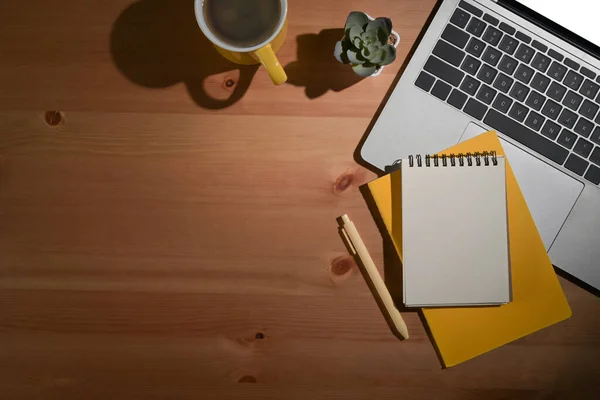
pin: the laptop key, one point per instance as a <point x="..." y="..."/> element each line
<point x="507" y="28"/>
<point x="492" y="35"/>
<point x="526" y="136"/>
<point x="508" y="44"/>
<point x="518" y="112"/>
<point x="557" y="71"/>
<point x="475" y="109"/>
<point x="457" y="99"/>
<point x="476" y="27"/>
<point x="540" y="62"/>
<point x="572" y="100"/>
<point x="523" y="37"/>
<point x="551" y="109"/>
<point x="444" y="71"/>
<point x="448" y="53"/>
<point x="441" y="90"/>
<point x="455" y="36"/>
<point x="425" y="81"/>
<point x="491" y="20"/>
<point x="486" y="94"/>
<point x="588" y="109"/>
<point x="519" y="91"/>
<point x="525" y="53"/>
<point x="551" y="129"/>
<point x="555" y="54"/>
<point x="541" y="47"/>
<point x="567" y="118"/>
<point x="460" y="18"/>
<point x="587" y="72"/>
<point x="596" y="136"/>
<point x="491" y="56"/>
<point x="470" y="8"/>
<point x="487" y="74"/>
<point x="470" y="85"/>
<point x="534" y="121"/>
<point x="597" y="119"/>
<point x="572" y="64"/>
<point x="475" y="47"/>
<point x="576" y="164"/>
<point x="524" y="73"/>
<point x="573" y="80"/>
<point x="567" y="138"/>
<point x="502" y="103"/>
<point x="535" y="100"/>
<point x="593" y="175"/>
<point x="503" y="83"/>
<point x="583" y="148"/>
<point x="589" y="89"/>
<point x="507" y="65"/>
<point x="470" y="65"/>
<point x="556" y="91"/>
<point x="540" y="82"/>
<point x="595" y="157"/>
<point x="584" y="127"/>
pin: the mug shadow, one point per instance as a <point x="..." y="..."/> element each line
<point x="316" y="68"/>
<point x="157" y="44"/>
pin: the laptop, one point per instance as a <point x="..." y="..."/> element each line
<point x="529" y="69"/>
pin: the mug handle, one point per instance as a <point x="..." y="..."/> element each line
<point x="267" y="58"/>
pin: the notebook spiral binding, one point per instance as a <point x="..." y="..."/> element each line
<point x="434" y="160"/>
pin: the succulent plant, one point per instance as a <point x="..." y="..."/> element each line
<point x="365" y="44"/>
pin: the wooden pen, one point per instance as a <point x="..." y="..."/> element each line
<point x="357" y="248"/>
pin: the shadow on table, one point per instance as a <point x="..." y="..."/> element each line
<point x="392" y="265"/>
<point x="157" y="44"/>
<point x="316" y="68"/>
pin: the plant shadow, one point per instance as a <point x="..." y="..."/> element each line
<point x="316" y="68"/>
<point x="157" y="44"/>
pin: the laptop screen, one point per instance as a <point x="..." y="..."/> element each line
<point x="578" y="16"/>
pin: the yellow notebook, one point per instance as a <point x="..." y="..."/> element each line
<point x="538" y="299"/>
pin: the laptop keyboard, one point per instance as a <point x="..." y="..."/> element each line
<point x="518" y="86"/>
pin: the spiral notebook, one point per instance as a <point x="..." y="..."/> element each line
<point x="455" y="230"/>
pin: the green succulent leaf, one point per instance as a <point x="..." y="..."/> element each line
<point x="361" y="70"/>
<point x="370" y="37"/>
<point x="380" y="27"/>
<point x="355" y="33"/>
<point x="378" y="56"/>
<point x="369" y="51"/>
<point x="390" y="54"/>
<point x="356" y="18"/>
<point x="382" y="36"/>
<point x="355" y="57"/>
<point x="339" y="53"/>
<point x="388" y="23"/>
<point x="364" y="52"/>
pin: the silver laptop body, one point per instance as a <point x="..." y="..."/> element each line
<point x="481" y="66"/>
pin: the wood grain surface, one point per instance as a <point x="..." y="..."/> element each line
<point x="167" y="220"/>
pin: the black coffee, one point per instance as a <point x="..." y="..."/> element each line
<point x="242" y="23"/>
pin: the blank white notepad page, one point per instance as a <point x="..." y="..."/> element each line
<point x="455" y="234"/>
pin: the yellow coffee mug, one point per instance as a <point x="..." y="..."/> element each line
<point x="263" y="53"/>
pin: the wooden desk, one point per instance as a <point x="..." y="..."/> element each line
<point x="160" y="244"/>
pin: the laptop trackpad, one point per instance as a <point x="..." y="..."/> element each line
<point x="550" y="193"/>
